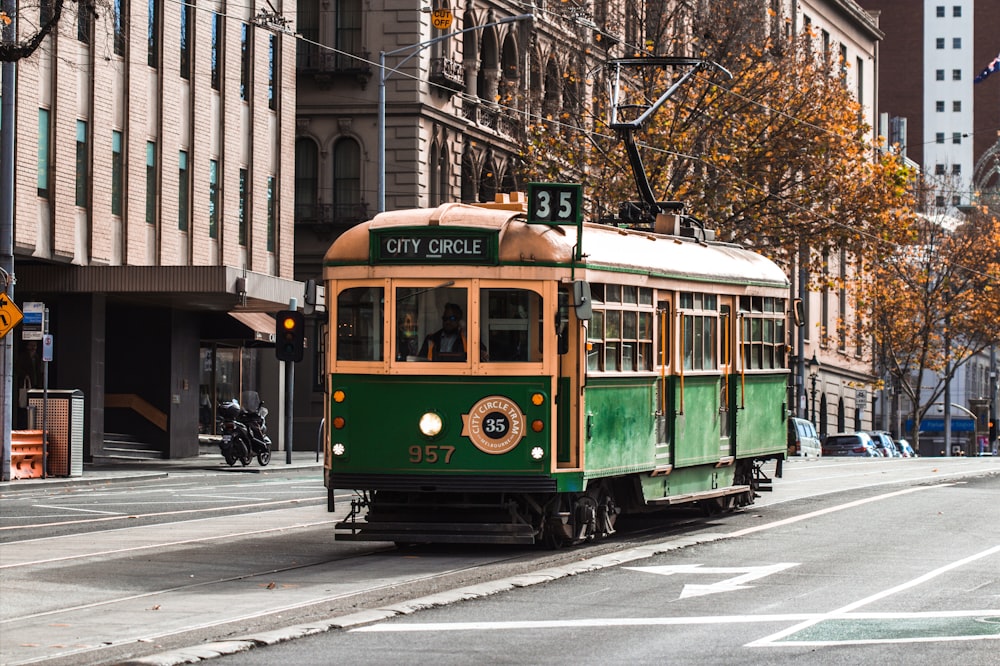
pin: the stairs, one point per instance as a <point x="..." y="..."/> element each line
<point x="120" y="446"/>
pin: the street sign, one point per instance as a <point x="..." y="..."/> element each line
<point x="441" y="18"/>
<point x="34" y="317"/>
<point x="10" y="315"/>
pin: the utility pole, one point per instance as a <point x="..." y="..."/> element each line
<point x="7" y="122"/>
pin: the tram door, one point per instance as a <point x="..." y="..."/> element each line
<point x="663" y="453"/>
<point x="727" y="385"/>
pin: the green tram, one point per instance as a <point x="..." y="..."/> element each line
<point x="591" y="370"/>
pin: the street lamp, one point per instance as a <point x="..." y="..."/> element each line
<point x="383" y="75"/>
<point x="813" y="376"/>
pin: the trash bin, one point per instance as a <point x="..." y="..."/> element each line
<point x="64" y="422"/>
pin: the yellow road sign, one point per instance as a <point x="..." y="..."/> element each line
<point x="10" y="315"/>
<point x="441" y="18"/>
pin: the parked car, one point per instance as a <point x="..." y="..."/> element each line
<point x="885" y="444"/>
<point x="850" y="444"/>
<point x="905" y="448"/>
<point x="802" y="439"/>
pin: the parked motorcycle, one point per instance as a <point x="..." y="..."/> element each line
<point x="244" y="430"/>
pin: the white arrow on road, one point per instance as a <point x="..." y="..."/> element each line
<point x="747" y="574"/>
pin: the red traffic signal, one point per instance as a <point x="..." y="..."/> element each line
<point x="289" y="336"/>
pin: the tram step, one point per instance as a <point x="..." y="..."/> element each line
<point x="420" y="532"/>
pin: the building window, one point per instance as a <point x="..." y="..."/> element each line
<point x="956" y="42"/>
<point x="939" y="201"/>
<point x="956" y="200"/>
<point x="939" y="106"/>
<point x="44" y="154"/>
<point x="939" y="42"/>
<point x="82" y="172"/>
<point x="347" y="37"/>
<point x="242" y="212"/>
<point x="213" y="198"/>
<point x="187" y="13"/>
<point x="939" y="137"/>
<point x="956" y="11"/>
<point x="183" y="191"/>
<point x="956" y="75"/>
<point x="956" y="169"/>
<point x="216" y="55"/>
<point x="244" y="62"/>
<point x="939" y="169"/>
<point x="116" y="172"/>
<point x="270" y="213"/>
<point x="939" y="10"/>
<point x="119" y="27"/>
<point x="151" y="182"/>
<point x="956" y="138"/>
<point x="346" y="178"/>
<point x="152" y="32"/>
<point x="939" y="74"/>
<point x="272" y="99"/>
<point x="84" y="15"/>
<point x="306" y="179"/>
<point x="956" y="106"/>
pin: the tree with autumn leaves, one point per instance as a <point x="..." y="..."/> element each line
<point x="770" y="158"/>
<point x="936" y="304"/>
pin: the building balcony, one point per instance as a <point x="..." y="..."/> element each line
<point x="504" y="124"/>
<point x="329" y="218"/>
<point x="448" y="73"/>
<point x="324" y="65"/>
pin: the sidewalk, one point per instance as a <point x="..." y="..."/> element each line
<point x="209" y="462"/>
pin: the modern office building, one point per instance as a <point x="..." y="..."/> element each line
<point x="153" y="211"/>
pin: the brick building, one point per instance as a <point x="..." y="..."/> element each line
<point x="153" y="211"/>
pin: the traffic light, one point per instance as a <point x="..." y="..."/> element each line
<point x="289" y="336"/>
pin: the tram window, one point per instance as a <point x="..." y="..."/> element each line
<point x="431" y="323"/>
<point x="359" y="324"/>
<point x="510" y="325"/>
<point x="699" y="342"/>
<point x="595" y="341"/>
<point x="597" y="293"/>
<point x="630" y="295"/>
<point x="763" y="332"/>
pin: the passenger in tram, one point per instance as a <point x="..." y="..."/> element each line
<point x="447" y="343"/>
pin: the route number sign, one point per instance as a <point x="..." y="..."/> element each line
<point x="555" y="203"/>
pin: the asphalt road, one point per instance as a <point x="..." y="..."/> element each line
<point x="186" y="568"/>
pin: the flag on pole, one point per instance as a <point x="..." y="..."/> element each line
<point x="990" y="68"/>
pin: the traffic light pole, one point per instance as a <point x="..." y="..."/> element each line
<point x="289" y="395"/>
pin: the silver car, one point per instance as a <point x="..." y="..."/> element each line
<point x="850" y="444"/>
<point x="885" y="444"/>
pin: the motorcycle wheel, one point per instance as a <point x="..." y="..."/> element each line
<point x="264" y="457"/>
<point x="246" y="459"/>
<point x="230" y="459"/>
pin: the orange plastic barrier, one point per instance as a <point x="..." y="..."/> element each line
<point x="26" y="454"/>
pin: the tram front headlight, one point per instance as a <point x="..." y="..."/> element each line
<point x="431" y="424"/>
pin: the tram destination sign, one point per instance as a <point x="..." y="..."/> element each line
<point x="445" y="246"/>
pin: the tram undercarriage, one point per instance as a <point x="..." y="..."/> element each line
<point x="552" y="519"/>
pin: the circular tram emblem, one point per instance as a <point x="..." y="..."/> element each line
<point x="494" y="425"/>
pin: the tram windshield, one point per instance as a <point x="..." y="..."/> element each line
<point x="433" y="323"/>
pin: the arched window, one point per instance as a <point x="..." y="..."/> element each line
<point x="823" y="417"/>
<point x="439" y="172"/>
<point x="347" y="180"/>
<point x="488" y="180"/>
<point x="469" y="176"/>
<point x="841" y="416"/>
<point x="306" y="179"/>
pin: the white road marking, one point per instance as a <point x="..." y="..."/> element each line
<point x="727" y="585"/>
<point x="74" y="508"/>
<point x="919" y="580"/>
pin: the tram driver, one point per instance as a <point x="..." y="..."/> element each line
<point x="447" y="343"/>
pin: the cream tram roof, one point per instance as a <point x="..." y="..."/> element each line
<point x="603" y="246"/>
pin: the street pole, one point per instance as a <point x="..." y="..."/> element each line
<point x="993" y="392"/>
<point x="7" y="121"/>
<point x="383" y="75"/>
<point x="289" y="395"/>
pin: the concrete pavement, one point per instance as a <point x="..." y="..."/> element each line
<point x="123" y="470"/>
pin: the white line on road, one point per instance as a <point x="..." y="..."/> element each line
<point x="75" y="508"/>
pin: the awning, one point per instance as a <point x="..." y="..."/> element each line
<point x="261" y="323"/>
